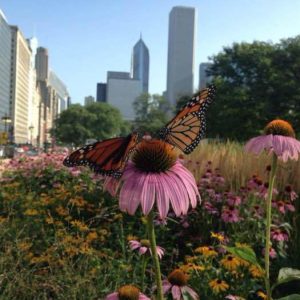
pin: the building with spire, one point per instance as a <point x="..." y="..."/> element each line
<point x="140" y="64"/>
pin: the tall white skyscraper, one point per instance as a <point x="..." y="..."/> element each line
<point x="181" y="52"/>
<point x="140" y="64"/>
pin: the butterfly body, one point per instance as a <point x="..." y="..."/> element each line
<point x="184" y="131"/>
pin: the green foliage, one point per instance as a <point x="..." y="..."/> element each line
<point x="245" y="253"/>
<point x="256" y="83"/>
<point x="96" y="120"/>
<point x="150" y="113"/>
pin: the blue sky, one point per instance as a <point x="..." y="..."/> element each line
<point x="86" y="38"/>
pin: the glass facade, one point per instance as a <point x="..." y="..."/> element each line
<point x="5" y="65"/>
<point x="140" y="64"/>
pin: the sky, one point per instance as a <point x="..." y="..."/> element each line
<point x="87" y="38"/>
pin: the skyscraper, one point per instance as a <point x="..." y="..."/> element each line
<point x="140" y="64"/>
<point x="5" y="59"/>
<point x="122" y="90"/>
<point x="42" y="64"/>
<point x="20" y="85"/>
<point x="181" y="52"/>
<point x="204" y="78"/>
<point x="101" y="92"/>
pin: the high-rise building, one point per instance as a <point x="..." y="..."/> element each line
<point x="140" y="64"/>
<point x="42" y="63"/>
<point x="89" y="100"/>
<point x="34" y="99"/>
<point x="122" y="90"/>
<point x="101" y="92"/>
<point x="61" y="92"/>
<point x="20" y="85"/>
<point x="204" y="78"/>
<point x="5" y="65"/>
<point x="181" y="52"/>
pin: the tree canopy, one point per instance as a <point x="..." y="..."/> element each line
<point x="256" y="83"/>
<point x="96" y="121"/>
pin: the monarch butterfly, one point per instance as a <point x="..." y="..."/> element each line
<point x="184" y="131"/>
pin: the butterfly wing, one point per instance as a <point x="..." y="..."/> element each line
<point x="106" y="157"/>
<point x="187" y="128"/>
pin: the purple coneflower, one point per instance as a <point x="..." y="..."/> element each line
<point x="154" y="176"/>
<point x="279" y="235"/>
<point x="127" y="292"/>
<point x="230" y="215"/>
<point x="144" y="246"/>
<point x="279" y="137"/>
<point x="177" y="285"/>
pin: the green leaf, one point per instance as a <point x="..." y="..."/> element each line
<point x="245" y="253"/>
<point x="286" y="275"/>
<point x="290" y="297"/>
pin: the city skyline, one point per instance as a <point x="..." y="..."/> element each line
<point x="90" y="34"/>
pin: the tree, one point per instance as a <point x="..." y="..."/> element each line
<point x="256" y="82"/>
<point x="150" y="111"/>
<point x="96" y="120"/>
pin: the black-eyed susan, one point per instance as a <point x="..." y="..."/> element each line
<point x="190" y="267"/>
<point x="206" y="251"/>
<point x="218" y="285"/>
<point x="230" y="262"/>
<point x="256" y="272"/>
<point x="218" y="236"/>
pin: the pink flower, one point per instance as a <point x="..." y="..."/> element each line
<point x="230" y="215"/>
<point x="155" y="178"/>
<point x="127" y="292"/>
<point x="272" y="252"/>
<point x="283" y="206"/>
<point x="279" y="235"/>
<point x="144" y="246"/>
<point x="177" y="285"/>
<point x="279" y="138"/>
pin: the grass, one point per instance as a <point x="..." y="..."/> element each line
<point x="237" y="166"/>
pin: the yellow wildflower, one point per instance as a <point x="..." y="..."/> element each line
<point x="218" y="285"/>
<point x="31" y="212"/>
<point x="91" y="236"/>
<point x="262" y="295"/>
<point x="256" y="272"/>
<point x="230" y="262"/>
<point x="2" y="220"/>
<point x="24" y="246"/>
<point x="62" y="211"/>
<point x="49" y="220"/>
<point x="190" y="267"/>
<point x="220" y="237"/>
<point x="207" y="251"/>
<point x="191" y="259"/>
<point x="80" y="225"/>
<point x="78" y="201"/>
<point x="131" y="237"/>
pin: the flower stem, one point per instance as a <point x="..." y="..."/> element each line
<point x="268" y="225"/>
<point x="144" y="265"/>
<point x="151" y="234"/>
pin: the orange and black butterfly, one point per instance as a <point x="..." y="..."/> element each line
<point x="184" y="131"/>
